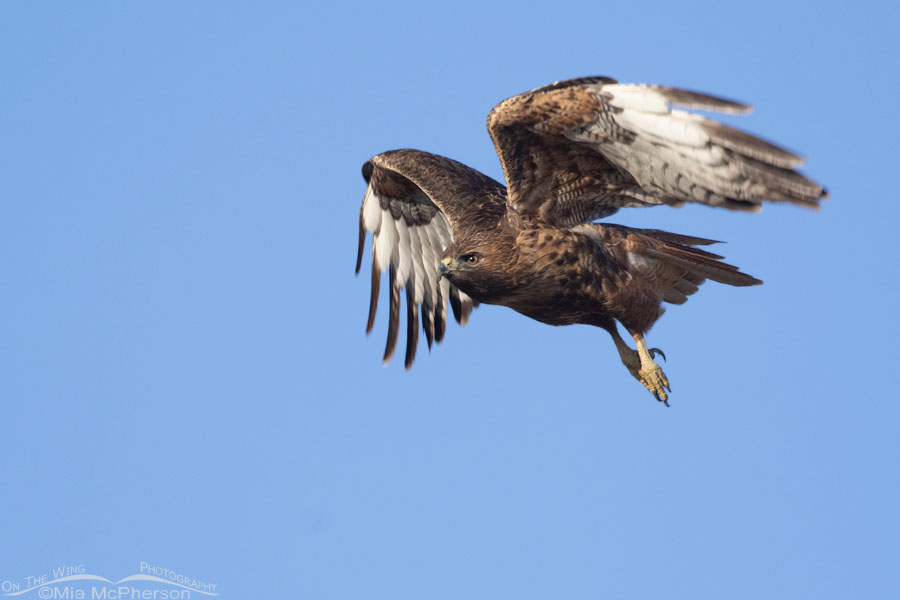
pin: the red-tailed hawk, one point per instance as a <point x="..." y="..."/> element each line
<point x="572" y="152"/>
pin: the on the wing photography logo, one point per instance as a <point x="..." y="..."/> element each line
<point x="76" y="582"/>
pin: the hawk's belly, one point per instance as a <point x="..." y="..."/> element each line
<point x="559" y="308"/>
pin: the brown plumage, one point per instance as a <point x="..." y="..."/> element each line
<point x="571" y="152"/>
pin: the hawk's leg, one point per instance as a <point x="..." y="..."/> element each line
<point x="641" y="366"/>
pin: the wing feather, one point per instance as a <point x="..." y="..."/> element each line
<point x="373" y="295"/>
<point x="440" y="310"/>
<point x="580" y="150"/>
<point x="412" y="327"/>
<point x="403" y="253"/>
<point x="412" y="204"/>
<point x="393" y="315"/>
<point x="385" y="240"/>
<point x="423" y="257"/>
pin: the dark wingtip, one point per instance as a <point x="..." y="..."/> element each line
<point x="362" y="241"/>
<point x="373" y="296"/>
<point x="393" y="318"/>
<point x="440" y="322"/>
<point x="428" y="324"/>
<point x="456" y="304"/>
<point x="412" y="328"/>
<point x="367" y="169"/>
<point x="751" y="280"/>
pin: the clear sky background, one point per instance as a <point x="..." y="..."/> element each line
<point x="184" y="374"/>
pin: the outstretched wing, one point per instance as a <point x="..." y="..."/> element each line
<point x="413" y="204"/>
<point x="579" y="150"/>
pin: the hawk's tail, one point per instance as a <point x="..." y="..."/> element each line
<point x="678" y="250"/>
<point x="670" y="262"/>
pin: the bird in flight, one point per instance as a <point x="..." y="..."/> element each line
<point x="572" y="152"/>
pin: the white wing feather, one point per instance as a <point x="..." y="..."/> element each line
<point x="682" y="156"/>
<point x="414" y="251"/>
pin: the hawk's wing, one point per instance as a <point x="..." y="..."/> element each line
<point x="413" y="204"/>
<point x="578" y="150"/>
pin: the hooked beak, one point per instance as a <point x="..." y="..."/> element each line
<point x="444" y="267"/>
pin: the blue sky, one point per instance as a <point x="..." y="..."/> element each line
<point x="185" y="375"/>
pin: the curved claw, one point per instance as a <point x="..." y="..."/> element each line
<point x="655" y="351"/>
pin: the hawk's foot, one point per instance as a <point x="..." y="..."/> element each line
<point x="641" y="366"/>
<point x="655" y="381"/>
<point x="650" y="374"/>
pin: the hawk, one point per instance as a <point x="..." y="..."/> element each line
<point x="572" y="152"/>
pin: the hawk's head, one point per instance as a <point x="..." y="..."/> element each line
<point x="482" y="266"/>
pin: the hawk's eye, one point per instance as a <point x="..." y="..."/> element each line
<point x="472" y="259"/>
